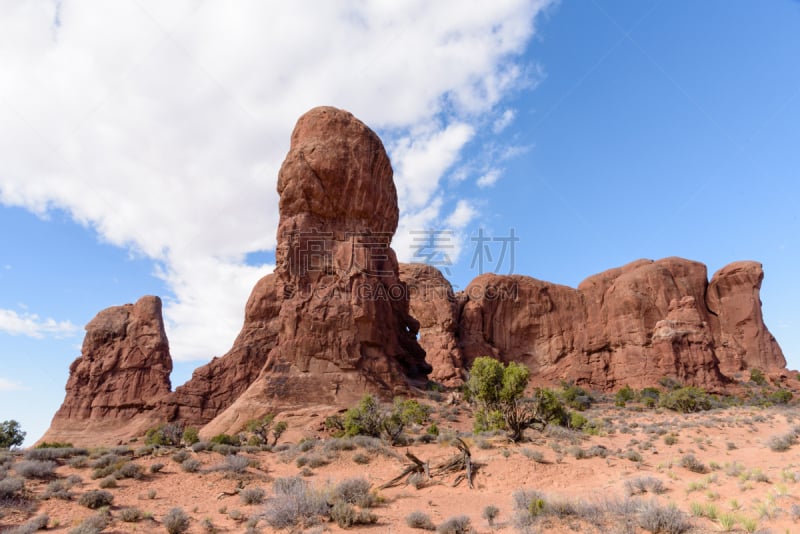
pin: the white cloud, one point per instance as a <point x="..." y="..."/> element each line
<point x="31" y="325"/>
<point x="489" y="178"/>
<point x="462" y="215"/>
<point x="502" y="122"/>
<point x="8" y="385"/>
<point x="162" y="124"/>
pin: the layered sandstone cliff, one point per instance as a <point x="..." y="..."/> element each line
<point x="340" y="317"/>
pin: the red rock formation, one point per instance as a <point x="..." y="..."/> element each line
<point x="630" y="325"/>
<point x="216" y="385"/>
<point x="344" y="326"/>
<point x="123" y="368"/>
<point x="742" y="339"/>
<point x="335" y="319"/>
<point x="434" y="305"/>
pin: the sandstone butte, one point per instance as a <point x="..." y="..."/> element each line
<point x="315" y="335"/>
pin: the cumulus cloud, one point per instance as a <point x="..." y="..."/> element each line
<point x="489" y="178"/>
<point x="161" y="125"/>
<point x="31" y="325"/>
<point x="502" y="122"/>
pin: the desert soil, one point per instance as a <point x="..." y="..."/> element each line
<point x="744" y="480"/>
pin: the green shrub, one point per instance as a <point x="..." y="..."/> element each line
<point x="624" y="395"/>
<point x="11" y="435"/>
<point x="346" y="516"/>
<point x="669" y="383"/>
<point x="497" y="390"/>
<point x="368" y="419"/>
<point x="757" y="377"/>
<point x="190" y="436"/>
<point x="686" y="400"/>
<point x="54" y="445"/>
<point x="577" y="421"/>
<point x="575" y="397"/>
<point x="225" y="439"/>
<point x="364" y="419"/>
<point x="779" y="396"/>
<point x="262" y="427"/>
<point x="168" y="434"/>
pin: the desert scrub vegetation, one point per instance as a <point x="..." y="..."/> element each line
<point x="646" y="484"/>
<point x="532" y="508"/>
<point x="166" y="435"/>
<point x="782" y="443"/>
<point x="262" y="428"/>
<point x="11" y="488"/>
<point x="91" y="525"/>
<point x="420" y="520"/>
<point x="32" y="525"/>
<point x="690" y="462"/>
<point x="252" y="495"/>
<point x="175" y="521"/>
<point x="687" y="399"/>
<point x="95" y="499"/>
<point x="497" y="393"/>
<point x="60" y="489"/>
<point x="459" y="524"/>
<point x="36" y="469"/>
<point x="294" y="504"/>
<point x="11" y="434"/>
<point x="54" y="453"/>
<point x="369" y="418"/>
<point x="131" y="515"/>
<point x="191" y="465"/>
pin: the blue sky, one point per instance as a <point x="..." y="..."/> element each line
<point x="139" y="147"/>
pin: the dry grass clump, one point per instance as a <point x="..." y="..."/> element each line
<point x="295" y="503"/>
<point x="96" y="499"/>
<point x="781" y="443"/>
<point x="58" y="453"/>
<point x="131" y="515"/>
<point x="191" y="465"/>
<point x="353" y="491"/>
<point x="252" y="495"/>
<point x="36" y="469"/>
<point x="32" y="525"/>
<point x="176" y="521"/>
<point x="420" y="520"/>
<point x="531" y="507"/>
<point x="640" y="485"/>
<point x="459" y="524"/>
<point x="690" y="462"/>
